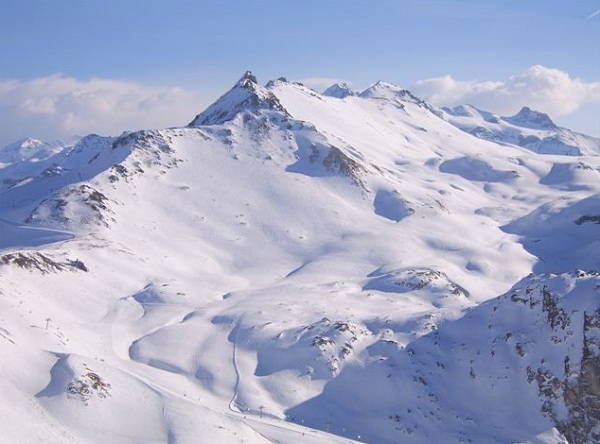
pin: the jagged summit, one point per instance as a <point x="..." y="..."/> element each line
<point x="247" y="80"/>
<point x="245" y="96"/>
<point x="339" y="90"/>
<point x="529" y="118"/>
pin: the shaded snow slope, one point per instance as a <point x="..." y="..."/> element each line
<point x="527" y="368"/>
<point x="296" y="267"/>
<point x="549" y="229"/>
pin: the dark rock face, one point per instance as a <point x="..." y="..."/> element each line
<point x="571" y="398"/>
<point x="581" y="389"/>
<point x="337" y="161"/>
<point x="42" y="263"/>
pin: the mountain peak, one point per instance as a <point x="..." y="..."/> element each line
<point x="245" y="96"/>
<point x="381" y="89"/>
<point x="529" y="118"/>
<point x="339" y="90"/>
<point x="387" y="90"/>
<point x="31" y="149"/>
<point x="247" y="80"/>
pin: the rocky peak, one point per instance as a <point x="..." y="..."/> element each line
<point x="245" y="96"/>
<point x="247" y="80"/>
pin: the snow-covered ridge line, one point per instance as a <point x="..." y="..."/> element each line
<point x="528" y="128"/>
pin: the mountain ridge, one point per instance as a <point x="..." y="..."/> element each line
<point x="529" y="129"/>
<point x="301" y="268"/>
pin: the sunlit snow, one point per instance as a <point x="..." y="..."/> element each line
<point x="294" y="267"/>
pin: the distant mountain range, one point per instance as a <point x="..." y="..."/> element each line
<point x="299" y="267"/>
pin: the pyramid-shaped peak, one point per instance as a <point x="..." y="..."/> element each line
<point x="245" y="96"/>
<point x="530" y="118"/>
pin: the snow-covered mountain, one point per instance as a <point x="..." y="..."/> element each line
<point x="339" y="90"/>
<point x="302" y="267"/>
<point x="33" y="150"/>
<point x="528" y="128"/>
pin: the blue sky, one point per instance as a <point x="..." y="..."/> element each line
<point x="124" y="57"/>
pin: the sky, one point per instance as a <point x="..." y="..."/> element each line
<point x="108" y="66"/>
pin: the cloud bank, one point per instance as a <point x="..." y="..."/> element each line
<point x="544" y="89"/>
<point x="58" y="106"/>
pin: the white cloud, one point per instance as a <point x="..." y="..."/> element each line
<point x="58" y="106"/>
<point x="544" y="89"/>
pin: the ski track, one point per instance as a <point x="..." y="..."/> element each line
<point x="234" y="336"/>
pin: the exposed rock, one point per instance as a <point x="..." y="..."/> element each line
<point x="41" y="262"/>
<point x="337" y="161"/>
<point x="581" y="389"/>
<point x="414" y="279"/>
<point x="77" y="205"/>
<point x="594" y="219"/>
<point x="571" y="397"/>
<point x="87" y="386"/>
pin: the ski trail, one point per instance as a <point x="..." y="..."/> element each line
<point x="236" y="386"/>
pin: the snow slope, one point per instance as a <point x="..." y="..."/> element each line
<point x="297" y="267"/>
